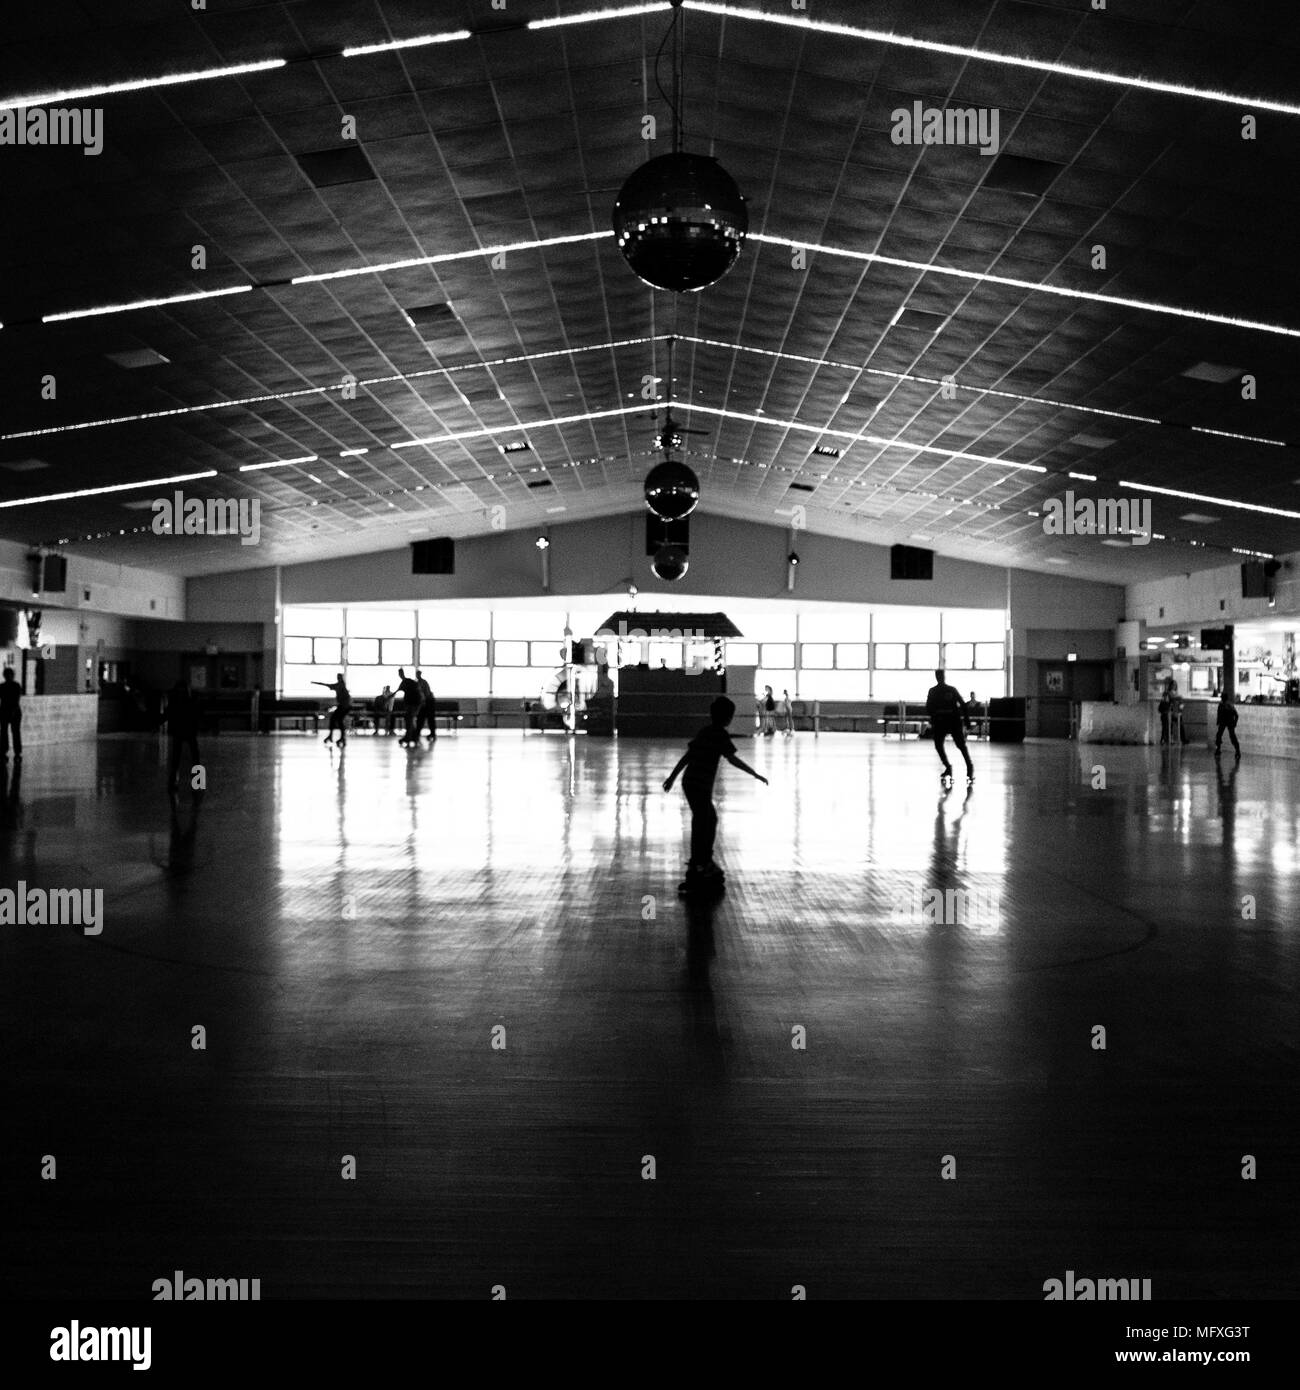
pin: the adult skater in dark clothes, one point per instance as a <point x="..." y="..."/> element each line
<point x="339" y="714"/>
<point x="700" y="761"/>
<point x="947" y="711"/>
<point x="410" y="693"/>
<point x="182" y="720"/>
<point x="425" y="715"/>
<point x="11" y="714"/>
<point x="1226" y="721"/>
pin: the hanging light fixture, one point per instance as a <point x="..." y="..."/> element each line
<point x="680" y="219"/>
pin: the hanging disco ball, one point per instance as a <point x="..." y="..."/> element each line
<point x="680" y="221"/>
<point x="672" y="490"/>
<point x="669" y="563"/>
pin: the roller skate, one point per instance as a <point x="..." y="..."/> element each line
<point x="707" y="882"/>
<point x="945" y="778"/>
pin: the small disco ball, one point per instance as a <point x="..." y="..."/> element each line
<point x="670" y="563"/>
<point x="672" y="490"/>
<point x="680" y="221"/>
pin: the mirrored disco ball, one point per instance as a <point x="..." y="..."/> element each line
<point x="672" y="490"/>
<point x="670" y="563"/>
<point x="680" y="221"/>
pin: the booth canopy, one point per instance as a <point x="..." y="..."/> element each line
<point x="701" y="624"/>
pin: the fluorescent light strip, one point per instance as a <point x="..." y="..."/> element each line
<point x="1247" y="438"/>
<point x="592" y="16"/>
<point x="115" y="487"/>
<point x="954" y="50"/>
<point x="1033" y="286"/>
<point x="446" y="256"/>
<point x="278" y="463"/>
<point x="144" y="304"/>
<point x="450" y="36"/>
<point x="321" y="390"/>
<point x="489" y="430"/>
<point x="139" y="84"/>
<point x="1085" y="477"/>
<point x="1218" y="501"/>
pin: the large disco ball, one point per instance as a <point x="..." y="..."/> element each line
<point x="680" y="221"/>
<point x="670" y="563"/>
<point x="672" y="490"/>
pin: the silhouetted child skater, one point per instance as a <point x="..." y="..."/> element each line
<point x="339" y="714"/>
<point x="700" y="761"/>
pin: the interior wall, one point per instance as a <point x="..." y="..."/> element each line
<point x="727" y="556"/>
<point x="94" y="585"/>
<point x="1210" y="598"/>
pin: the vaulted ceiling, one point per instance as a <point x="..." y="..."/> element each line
<point x="511" y="136"/>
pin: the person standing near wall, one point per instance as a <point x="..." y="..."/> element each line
<point x="1226" y="720"/>
<point x="787" y="714"/>
<point x="11" y="714"/>
<point x="769" y="712"/>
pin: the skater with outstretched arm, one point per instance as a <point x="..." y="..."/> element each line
<point x="339" y="714"/>
<point x="699" y="766"/>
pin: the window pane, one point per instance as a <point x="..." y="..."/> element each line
<point x="832" y="685"/>
<point x="742" y="653"/>
<point x="471" y="654"/>
<point x="458" y="682"/>
<point x="974" y="625"/>
<point x="297" y="650"/>
<point x="847" y="624"/>
<point x="448" y="621"/>
<point x="988" y="656"/>
<point x="545" y="654"/>
<point x="851" y="656"/>
<point x="765" y="627"/>
<point x="891" y="656"/>
<point x="922" y="656"/>
<point x="529" y="625"/>
<point x="434" y="652"/>
<point x="397" y="651"/>
<point x="778" y="654"/>
<point x="363" y="651"/>
<point x="298" y="680"/>
<point x="958" y="656"/>
<point x="908" y="686"/>
<point x="313" y="622"/>
<point x="326" y="650"/>
<point x="517" y="683"/>
<point x="905" y="625"/>
<point x="817" y="656"/>
<point x="381" y="622"/>
<point x="363" y="682"/>
<point x="509" y="653"/>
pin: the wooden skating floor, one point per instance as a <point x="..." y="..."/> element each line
<point x="350" y="929"/>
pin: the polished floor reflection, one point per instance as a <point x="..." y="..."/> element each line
<point x="353" y="931"/>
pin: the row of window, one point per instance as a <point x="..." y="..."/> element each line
<point x="813" y="656"/>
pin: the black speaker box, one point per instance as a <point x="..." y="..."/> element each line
<point x="56" y="574"/>
<point x="910" y="562"/>
<point x="437" y="556"/>
<point x="1254" y="581"/>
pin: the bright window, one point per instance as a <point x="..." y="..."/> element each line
<point x="434" y="652"/>
<point x="298" y="680"/>
<point x="516" y="683"/>
<point x="326" y="650"/>
<point x="989" y="656"/>
<point x="546" y="654"/>
<point x="974" y="625"/>
<point x="905" y="625"/>
<point x="298" y="650"/>
<point x="742" y="653"/>
<point x="922" y="656"/>
<point x="381" y="622"/>
<point x="454" y="622"/>
<point x="765" y="627"/>
<point x="363" y="651"/>
<point x="527" y="625"/>
<point x="891" y="656"/>
<point x="845" y="626"/>
<point x="397" y="651"/>
<point x="908" y="686"/>
<point x="958" y="656"/>
<point x="471" y="653"/>
<point x="510" y="653"/>
<point x="832" y="685"/>
<point x="817" y="656"/>
<point x="778" y="654"/>
<point x="313" y="622"/>
<point x="851" y="656"/>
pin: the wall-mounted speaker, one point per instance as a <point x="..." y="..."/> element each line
<point x="910" y="562"/>
<point x="8" y="627"/>
<point x="1254" y="581"/>
<point x="437" y="556"/>
<point x="56" y="574"/>
<point x="659" y="533"/>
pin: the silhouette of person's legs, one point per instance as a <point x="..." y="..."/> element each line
<point x="704" y="824"/>
<point x="18" y="734"/>
<point x="939" y="733"/>
<point x="959" y="739"/>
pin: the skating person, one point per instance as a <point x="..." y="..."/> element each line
<point x="769" y="712"/>
<point x="1163" y="710"/>
<point x="182" y="720"/>
<point x="11" y="714"/>
<point x="786" y="711"/>
<point x="384" y="710"/>
<point x="1226" y="721"/>
<point x="339" y="714"/>
<point x="700" y="762"/>
<point x="410" y="693"/>
<point x="947" y="711"/>
<point x="425" y="715"/>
